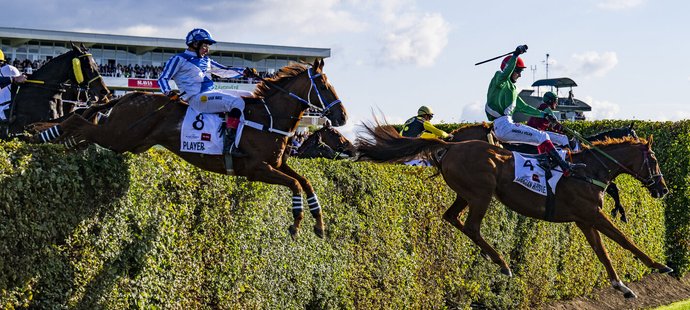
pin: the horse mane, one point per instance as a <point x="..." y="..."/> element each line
<point x="484" y="125"/>
<point x="48" y="66"/>
<point x="611" y="141"/>
<point x="262" y="89"/>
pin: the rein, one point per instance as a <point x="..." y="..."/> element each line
<point x="648" y="182"/>
<point x="323" y="108"/>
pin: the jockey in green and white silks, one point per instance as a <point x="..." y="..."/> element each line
<point x="502" y="101"/>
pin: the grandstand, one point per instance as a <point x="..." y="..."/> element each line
<point x="132" y="63"/>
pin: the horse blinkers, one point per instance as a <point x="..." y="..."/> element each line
<point x="79" y="79"/>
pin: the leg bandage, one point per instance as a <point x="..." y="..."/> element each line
<point x="296" y="206"/>
<point x="314" y="206"/>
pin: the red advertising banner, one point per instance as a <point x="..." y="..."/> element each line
<point x="142" y="83"/>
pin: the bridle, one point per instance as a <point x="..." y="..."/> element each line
<point x="324" y="108"/>
<point x="79" y="75"/>
<point x="648" y="182"/>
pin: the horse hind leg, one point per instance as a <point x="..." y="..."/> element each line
<point x="452" y="216"/>
<point x="478" y="208"/>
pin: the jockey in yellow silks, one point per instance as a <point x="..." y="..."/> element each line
<point x="420" y="126"/>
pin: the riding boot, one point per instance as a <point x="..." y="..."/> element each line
<point x="567" y="167"/>
<point x="231" y="132"/>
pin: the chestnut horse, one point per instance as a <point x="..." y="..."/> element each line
<point x="35" y="101"/>
<point x="483" y="132"/>
<point x="477" y="170"/>
<point x="138" y="121"/>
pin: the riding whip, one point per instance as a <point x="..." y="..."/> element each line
<point x="497" y="57"/>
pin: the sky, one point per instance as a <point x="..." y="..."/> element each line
<point x="392" y="56"/>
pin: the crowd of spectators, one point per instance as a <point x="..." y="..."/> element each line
<point x="126" y="71"/>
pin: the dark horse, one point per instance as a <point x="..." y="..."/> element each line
<point x="477" y="170"/>
<point x="138" y="121"/>
<point x="483" y="132"/>
<point x="326" y="142"/>
<point x="36" y="100"/>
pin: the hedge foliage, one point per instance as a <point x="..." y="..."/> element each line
<point x="93" y="229"/>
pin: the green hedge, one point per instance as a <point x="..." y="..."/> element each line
<point x="93" y="229"/>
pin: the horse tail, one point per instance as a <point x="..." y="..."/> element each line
<point x="384" y="144"/>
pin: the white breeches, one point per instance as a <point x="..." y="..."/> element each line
<point x="509" y="132"/>
<point x="218" y="100"/>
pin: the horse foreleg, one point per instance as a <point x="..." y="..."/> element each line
<point x="312" y="199"/>
<point x="472" y="230"/>
<point x="268" y="174"/>
<point x="612" y="190"/>
<point x="605" y="226"/>
<point x="594" y="240"/>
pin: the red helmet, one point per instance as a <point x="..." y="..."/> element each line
<point x="519" y="64"/>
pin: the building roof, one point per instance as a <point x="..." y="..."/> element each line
<point x="557" y="82"/>
<point x="19" y="36"/>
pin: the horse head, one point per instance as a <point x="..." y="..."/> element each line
<point x="636" y="158"/>
<point x="334" y="139"/>
<point x="314" y="147"/>
<point x="328" y="103"/>
<point x="85" y="75"/>
<point x="649" y="172"/>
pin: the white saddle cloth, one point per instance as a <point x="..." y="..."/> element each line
<point x="201" y="133"/>
<point x="529" y="174"/>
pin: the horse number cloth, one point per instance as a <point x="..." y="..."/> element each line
<point x="201" y="133"/>
<point x="531" y="175"/>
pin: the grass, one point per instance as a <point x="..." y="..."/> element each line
<point x="680" y="305"/>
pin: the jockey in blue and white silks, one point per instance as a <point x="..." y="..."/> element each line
<point x="192" y="70"/>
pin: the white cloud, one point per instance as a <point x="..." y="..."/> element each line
<point x="616" y="5"/>
<point x="416" y="39"/>
<point x="602" y="109"/>
<point x="473" y="112"/>
<point x="592" y="63"/>
<point x="305" y="16"/>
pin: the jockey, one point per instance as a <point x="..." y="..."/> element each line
<point x="6" y="70"/>
<point x="503" y="100"/>
<point x="420" y="126"/>
<point x="555" y="130"/>
<point x="191" y="70"/>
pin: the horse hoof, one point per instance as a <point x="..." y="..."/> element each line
<point x="507" y="272"/>
<point x="319" y="231"/>
<point x="666" y="269"/>
<point x="293" y="232"/>
<point x="629" y="295"/>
